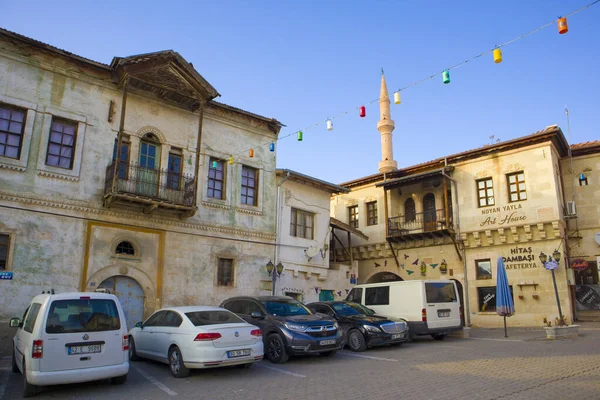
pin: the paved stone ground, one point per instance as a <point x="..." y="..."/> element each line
<point x="486" y="366"/>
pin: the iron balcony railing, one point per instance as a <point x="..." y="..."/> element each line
<point x="156" y="184"/>
<point x="427" y="221"/>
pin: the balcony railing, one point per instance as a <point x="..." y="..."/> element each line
<point x="428" y="221"/>
<point x="154" y="184"/>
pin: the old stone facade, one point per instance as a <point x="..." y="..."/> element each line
<point x="453" y="217"/>
<point x="303" y="238"/>
<point x="187" y="217"/>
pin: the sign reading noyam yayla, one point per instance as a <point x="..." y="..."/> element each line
<point x="579" y="264"/>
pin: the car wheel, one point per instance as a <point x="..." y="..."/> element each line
<point x="132" y="354"/>
<point x="439" y="336"/>
<point x="276" y="349"/>
<point x="15" y="367"/>
<point x="178" y="369"/>
<point x="29" y="390"/>
<point x="356" y="341"/>
<point x="119" y="380"/>
<point x="329" y="353"/>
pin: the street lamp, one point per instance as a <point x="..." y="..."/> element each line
<point x="544" y="259"/>
<point x="274" y="271"/>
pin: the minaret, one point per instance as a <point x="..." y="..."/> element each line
<point x="385" y="126"/>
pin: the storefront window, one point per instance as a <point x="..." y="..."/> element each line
<point x="487" y="298"/>
<point x="484" y="269"/>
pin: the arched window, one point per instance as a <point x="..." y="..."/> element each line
<point x="410" y="213"/>
<point x="125" y="249"/>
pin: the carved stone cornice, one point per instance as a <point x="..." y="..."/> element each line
<point x="216" y="205"/>
<point x="86" y="208"/>
<point x="515" y="234"/>
<point x="13" y="167"/>
<point x="248" y="211"/>
<point x="54" y="175"/>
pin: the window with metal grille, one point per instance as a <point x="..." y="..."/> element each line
<point x="353" y="216"/>
<point x="216" y="179"/>
<point x="225" y="272"/>
<point x="174" y="171"/>
<point x="61" y="144"/>
<point x="249" y="185"/>
<point x="12" y="123"/>
<point x="301" y="224"/>
<point x="485" y="192"/>
<point x="125" y="248"/>
<point x="516" y="187"/>
<point x="372" y="213"/>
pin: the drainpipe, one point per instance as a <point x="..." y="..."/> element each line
<point x="278" y="228"/>
<point x="458" y="240"/>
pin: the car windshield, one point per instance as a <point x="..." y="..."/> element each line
<point x="285" y="308"/>
<point x="361" y="309"/>
<point x="199" y="318"/>
<point x="345" y="310"/>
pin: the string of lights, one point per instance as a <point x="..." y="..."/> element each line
<point x="562" y="29"/>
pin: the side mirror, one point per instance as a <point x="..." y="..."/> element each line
<point x="138" y="325"/>
<point x="257" y="314"/>
<point x="371" y="310"/>
<point x="15" y="323"/>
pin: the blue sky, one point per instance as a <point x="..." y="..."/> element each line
<point x="304" y="61"/>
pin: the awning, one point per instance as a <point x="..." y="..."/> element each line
<point x="336" y="223"/>
<point x="412" y="178"/>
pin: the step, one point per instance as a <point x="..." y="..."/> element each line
<point x="588" y="316"/>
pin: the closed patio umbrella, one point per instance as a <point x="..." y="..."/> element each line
<point x="504" y="301"/>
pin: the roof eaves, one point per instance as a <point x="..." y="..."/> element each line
<point x="302" y="178"/>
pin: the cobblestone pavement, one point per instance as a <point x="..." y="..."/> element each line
<point x="486" y="366"/>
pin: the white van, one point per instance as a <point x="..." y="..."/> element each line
<point x="430" y="307"/>
<point x="70" y="337"/>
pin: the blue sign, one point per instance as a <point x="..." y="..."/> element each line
<point x="6" y="275"/>
<point x="551" y="265"/>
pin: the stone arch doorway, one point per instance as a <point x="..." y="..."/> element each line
<point x="384" y="277"/>
<point x="130" y="294"/>
<point x="461" y="298"/>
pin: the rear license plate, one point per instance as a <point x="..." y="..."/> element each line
<point x="326" y="342"/>
<point x="94" y="348"/>
<point x="396" y="336"/>
<point x="443" y="314"/>
<point x="239" y="353"/>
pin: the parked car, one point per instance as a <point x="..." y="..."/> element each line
<point x="289" y="328"/>
<point x="70" y="337"/>
<point x="431" y="307"/>
<point x="361" y="330"/>
<point x="196" y="337"/>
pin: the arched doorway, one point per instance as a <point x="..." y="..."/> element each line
<point x="384" y="277"/>
<point x="130" y="294"/>
<point x="459" y="287"/>
<point x="429" y="217"/>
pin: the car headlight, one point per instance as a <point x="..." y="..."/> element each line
<point x="372" y="328"/>
<point x="296" y="327"/>
<point x="336" y="325"/>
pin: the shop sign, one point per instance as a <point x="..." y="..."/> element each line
<point x="353" y="279"/>
<point x="520" y="258"/>
<point x="579" y="264"/>
<point x="6" y="275"/>
<point x="501" y="216"/>
<point x="588" y="297"/>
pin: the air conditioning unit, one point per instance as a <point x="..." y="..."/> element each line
<point x="571" y="209"/>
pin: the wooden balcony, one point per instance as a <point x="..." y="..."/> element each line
<point x="149" y="189"/>
<point x="430" y="224"/>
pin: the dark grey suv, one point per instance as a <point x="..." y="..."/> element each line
<point x="288" y="327"/>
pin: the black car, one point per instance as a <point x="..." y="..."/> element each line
<point x="362" y="330"/>
<point x="289" y="328"/>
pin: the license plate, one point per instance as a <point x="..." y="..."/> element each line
<point x="326" y="342"/>
<point x="94" y="348"/>
<point x="397" y="336"/>
<point x="443" y="314"/>
<point x="239" y="353"/>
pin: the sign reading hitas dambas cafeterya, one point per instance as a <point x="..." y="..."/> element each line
<point x="520" y="258"/>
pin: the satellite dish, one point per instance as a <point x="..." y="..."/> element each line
<point x="311" y="252"/>
<point x="597" y="238"/>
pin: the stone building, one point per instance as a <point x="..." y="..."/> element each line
<point x="453" y="217"/>
<point x="304" y="230"/>
<point x="187" y="215"/>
